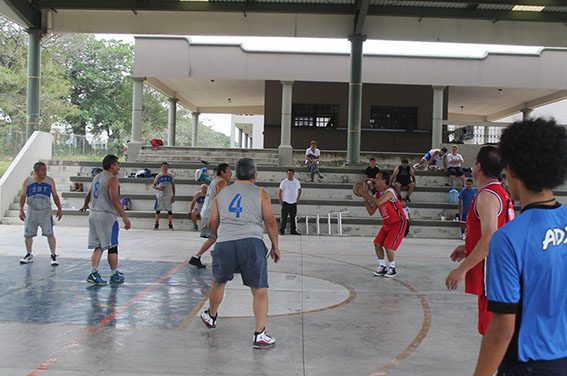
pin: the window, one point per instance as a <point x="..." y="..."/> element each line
<point x="314" y="115"/>
<point x="392" y="117"/>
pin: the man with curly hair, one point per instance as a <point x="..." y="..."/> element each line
<point x="527" y="261"/>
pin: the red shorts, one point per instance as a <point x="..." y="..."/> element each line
<point x="484" y="316"/>
<point x="390" y="236"/>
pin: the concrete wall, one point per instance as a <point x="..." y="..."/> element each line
<point x="337" y="93"/>
<point x="39" y="146"/>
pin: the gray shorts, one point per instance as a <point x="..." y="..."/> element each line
<point x="103" y="230"/>
<point x="163" y="203"/>
<point x="38" y="218"/>
<point x="245" y="256"/>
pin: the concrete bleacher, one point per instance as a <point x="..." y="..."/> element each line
<point x="332" y="194"/>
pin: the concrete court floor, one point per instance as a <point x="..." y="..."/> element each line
<point x="330" y="316"/>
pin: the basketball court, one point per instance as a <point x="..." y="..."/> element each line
<point x="330" y="316"/>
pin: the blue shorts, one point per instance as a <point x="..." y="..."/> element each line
<point x="427" y="156"/>
<point x="464" y="216"/>
<point x="245" y="256"/>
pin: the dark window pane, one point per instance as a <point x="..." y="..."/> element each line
<point x="314" y="115"/>
<point x="392" y="117"/>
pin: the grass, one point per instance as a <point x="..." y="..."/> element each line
<point x="4" y="166"/>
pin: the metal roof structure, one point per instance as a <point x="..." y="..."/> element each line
<point x="529" y="22"/>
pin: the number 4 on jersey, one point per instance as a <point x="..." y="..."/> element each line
<point x="234" y="206"/>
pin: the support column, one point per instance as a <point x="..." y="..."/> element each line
<point x="240" y="138"/>
<point x="135" y="144"/>
<point x="232" y="135"/>
<point x="195" y="134"/>
<point x="526" y="112"/>
<point x="251" y="142"/>
<point x="355" y="98"/>
<point x="437" y="119"/>
<point x="285" y="150"/>
<point x="33" y="87"/>
<point x="172" y="121"/>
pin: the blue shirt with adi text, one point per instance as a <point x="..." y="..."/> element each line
<point x="527" y="275"/>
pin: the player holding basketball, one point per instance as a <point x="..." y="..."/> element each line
<point x="490" y="209"/>
<point x="393" y="229"/>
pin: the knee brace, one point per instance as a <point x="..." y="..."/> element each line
<point x="113" y="250"/>
<point x="158" y="212"/>
<point x="169" y="212"/>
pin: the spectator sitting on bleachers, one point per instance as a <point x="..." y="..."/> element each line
<point x="370" y="173"/>
<point x="312" y="160"/>
<point x="404" y="176"/>
<point x="432" y="160"/>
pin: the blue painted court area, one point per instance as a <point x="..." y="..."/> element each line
<point x="41" y="293"/>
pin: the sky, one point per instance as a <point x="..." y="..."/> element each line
<point x="221" y="122"/>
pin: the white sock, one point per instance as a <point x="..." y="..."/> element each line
<point x="392" y="264"/>
<point x="113" y="271"/>
<point x="381" y="262"/>
<point x="93" y="270"/>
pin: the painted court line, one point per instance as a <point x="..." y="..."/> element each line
<point x="105" y="321"/>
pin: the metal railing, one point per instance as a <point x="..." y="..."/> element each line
<point x="71" y="145"/>
<point x="474" y="132"/>
<point x="11" y="142"/>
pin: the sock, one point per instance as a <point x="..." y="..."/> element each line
<point x="392" y="264"/>
<point x="381" y="262"/>
<point x="94" y="270"/>
<point x="256" y="333"/>
<point x="113" y="271"/>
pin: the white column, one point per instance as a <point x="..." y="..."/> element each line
<point x="526" y="112"/>
<point x="240" y="138"/>
<point x="172" y="118"/>
<point x="137" y="104"/>
<point x="285" y="150"/>
<point x="437" y="120"/>
<point x="251" y="143"/>
<point x="232" y="135"/>
<point x="135" y="144"/>
<point x="195" y="134"/>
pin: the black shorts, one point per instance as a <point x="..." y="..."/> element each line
<point x="556" y="367"/>
<point x="245" y="256"/>
<point x="455" y="171"/>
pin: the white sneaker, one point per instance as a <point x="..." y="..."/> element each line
<point x="381" y="271"/>
<point x="391" y="273"/>
<point x="54" y="261"/>
<point x="209" y="321"/>
<point x="464" y="236"/>
<point x="28" y="258"/>
<point x="263" y="340"/>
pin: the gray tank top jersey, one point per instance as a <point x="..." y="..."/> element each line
<point x="165" y="181"/>
<point x="211" y="194"/>
<point x="240" y="212"/>
<point x="39" y="194"/>
<point x="100" y="196"/>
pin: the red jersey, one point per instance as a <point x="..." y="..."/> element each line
<point x="475" y="278"/>
<point x="391" y="211"/>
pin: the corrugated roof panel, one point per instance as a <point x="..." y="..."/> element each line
<point x="555" y="9"/>
<point x="424" y="4"/>
<point x="496" y="6"/>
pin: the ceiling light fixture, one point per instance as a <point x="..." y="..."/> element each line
<point x="528" y="8"/>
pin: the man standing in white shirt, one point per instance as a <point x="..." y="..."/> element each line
<point x="454" y="168"/>
<point x="288" y="194"/>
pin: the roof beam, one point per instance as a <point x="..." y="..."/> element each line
<point x="534" y="103"/>
<point x="360" y="15"/>
<point x="28" y="15"/>
<point x="549" y="3"/>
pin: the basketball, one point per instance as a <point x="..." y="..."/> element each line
<point x="359" y="188"/>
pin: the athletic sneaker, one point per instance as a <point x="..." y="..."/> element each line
<point x="295" y="232"/>
<point x="96" y="279"/>
<point x="263" y="340"/>
<point x="156" y="226"/>
<point x="391" y="273"/>
<point x="196" y="261"/>
<point x="464" y="236"/>
<point x="117" y="278"/>
<point x="170" y="226"/>
<point x="54" y="261"/>
<point x="28" y="258"/>
<point x="381" y="271"/>
<point x="210" y="322"/>
<point x="282" y="232"/>
<point x="195" y="227"/>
